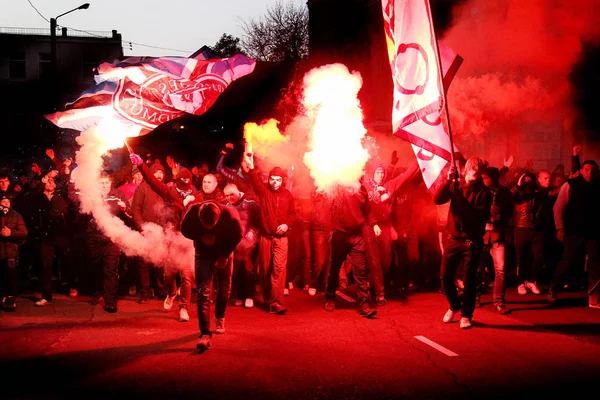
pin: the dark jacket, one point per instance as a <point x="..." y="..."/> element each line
<point x="148" y="206"/>
<point x="380" y="208"/>
<point x="237" y="177"/>
<point x="249" y="213"/>
<point x="221" y="240"/>
<point x="53" y="217"/>
<point x="321" y="213"/>
<point x="276" y="207"/>
<point x="349" y="210"/>
<point x="501" y="213"/>
<point x="580" y="210"/>
<point x="9" y="245"/>
<point x="112" y="199"/>
<point x="527" y="207"/>
<point x="469" y="208"/>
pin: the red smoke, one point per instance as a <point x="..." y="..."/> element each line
<point x="512" y="93"/>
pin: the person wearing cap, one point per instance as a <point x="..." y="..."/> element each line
<point x="148" y="206"/>
<point x="216" y="231"/>
<point x="496" y="229"/>
<point x="278" y="213"/>
<point x="12" y="234"/>
<point x="129" y="188"/>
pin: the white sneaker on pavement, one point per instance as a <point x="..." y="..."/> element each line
<point x="449" y="316"/>
<point x="183" y="315"/>
<point x="522" y="290"/>
<point x="312" y="291"/>
<point x="286" y="292"/>
<point x="465" y="323"/>
<point x="249" y="303"/>
<point x="220" y="326"/>
<point x="168" y="303"/>
<point x="533" y="287"/>
<point x="42" y="303"/>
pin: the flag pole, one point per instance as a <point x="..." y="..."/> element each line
<point x="441" y="80"/>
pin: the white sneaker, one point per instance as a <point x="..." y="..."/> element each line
<point x="449" y="316"/>
<point x="465" y="323"/>
<point x="168" y="303"/>
<point x="290" y="285"/>
<point x="238" y="303"/>
<point x="42" y="303"/>
<point x="249" y="303"/>
<point x="312" y="291"/>
<point x="533" y="287"/>
<point x="286" y="292"/>
<point x="220" y="326"/>
<point x="73" y="293"/>
<point x="183" y="315"/>
<point x="522" y="290"/>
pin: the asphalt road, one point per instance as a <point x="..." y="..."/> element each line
<point x="72" y="349"/>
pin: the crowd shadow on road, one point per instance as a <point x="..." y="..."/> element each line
<point x="58" y="370"/>
<point x="565" y="329"/>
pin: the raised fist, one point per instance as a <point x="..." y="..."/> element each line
<point x="135" y="159"/>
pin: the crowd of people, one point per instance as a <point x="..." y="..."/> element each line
<point x="268" y="232"/>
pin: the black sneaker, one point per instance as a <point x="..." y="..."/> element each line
<point x="552" y="297"/>
<point x="501" y="308"/>
<point x="366" y="311"/>
<point x="10" y="304"/>
<point x="277" y="309"/>
<point x="204" y="343"/>
<point x="330" y="305"/>
<point x="110" y="309"/>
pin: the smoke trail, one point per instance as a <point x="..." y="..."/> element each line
<point x="514" y="81"/>
<point x="155" y="245"/>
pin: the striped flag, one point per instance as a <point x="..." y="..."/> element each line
<point x="140" y="93"/>
<point x="417" y="84"/>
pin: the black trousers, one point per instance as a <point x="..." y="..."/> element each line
<point x="8" y="277"/>
<point x="457" y="252"/>
<point x="348" y="245"/>
<point x="104" y="258"/>
<point x="576" y="248"/>
<point x="59" y="247"/>
<point x="205" y="271"/>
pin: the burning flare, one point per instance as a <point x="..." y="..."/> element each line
<point x="336" y="154"/>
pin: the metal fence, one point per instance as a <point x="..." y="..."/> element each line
<point x="46" y="32"/>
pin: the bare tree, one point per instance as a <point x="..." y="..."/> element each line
<point x="279" y="35"/>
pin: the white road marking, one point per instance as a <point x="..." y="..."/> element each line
<point x="347" y="298"/>
<point x="436" y="346"/>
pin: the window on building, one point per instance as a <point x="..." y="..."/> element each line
<point x="89" y="62"/>
<point x="45" y="65"/>
<point x="16" y="65"/>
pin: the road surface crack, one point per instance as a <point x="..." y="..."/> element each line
<point x="411" y="344"/>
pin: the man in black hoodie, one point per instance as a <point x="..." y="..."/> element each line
<point x="277" y="212"/>
<point x="349" y="209"/>
<point x="216" y="231"/>
<point x="470" y="203"/>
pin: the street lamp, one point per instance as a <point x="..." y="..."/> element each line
<point x="53" y="35"/>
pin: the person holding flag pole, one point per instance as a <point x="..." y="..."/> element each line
<point x="422" y="69"/>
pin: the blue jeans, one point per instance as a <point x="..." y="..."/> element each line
<point x="205" y="270"/>
<point x="497" y="253"/>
